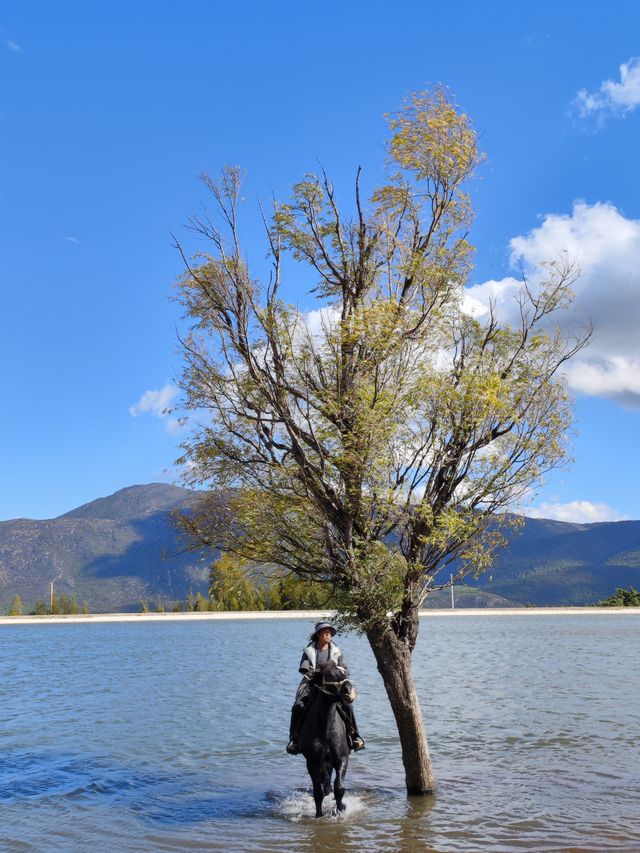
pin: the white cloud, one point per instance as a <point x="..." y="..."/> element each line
<point x="154" y="402"/>
<point x="73" y="240"/>
<point x="320" y="320"/>
<point x="13" y="47"/>
<point x="606" y="246"/>
<point x="590" y="234"/>
<point x="613" y="98"/>
<point x="576" y="512"/>
<point x="502" y="293"/>
<point x="157" y="403"/>
<point x="617" y="377"/>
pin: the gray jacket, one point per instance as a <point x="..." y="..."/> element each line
<point x="309" y="657"/>
<point x="308" y="665"/>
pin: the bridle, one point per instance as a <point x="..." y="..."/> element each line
<point x="331" y="688"/>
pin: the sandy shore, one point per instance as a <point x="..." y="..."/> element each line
<point x="311" y="615"/>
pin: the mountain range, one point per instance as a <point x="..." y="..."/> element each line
<point x="119" y="550"/>
<point x="559" y="563"/>
<point x="112" y="553"/>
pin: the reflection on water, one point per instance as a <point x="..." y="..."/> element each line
<point x="170" y="736"/>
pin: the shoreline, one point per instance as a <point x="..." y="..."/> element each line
<point x="303" y="614"/>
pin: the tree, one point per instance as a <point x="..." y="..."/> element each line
<point x="382" y="437"/>
<point x="202" y="604"/>
<point x="17" y="607"/>
<point x="289" y="592"/>
<point x="622" y="598"/>
<point x="67" y="604"/>
<point x="237" y="585"/>
<point x="231" y="587"/>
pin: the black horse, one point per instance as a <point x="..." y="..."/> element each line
<point x="323" y="734"/>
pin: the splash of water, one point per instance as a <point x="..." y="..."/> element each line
<point x="299" y="805"/>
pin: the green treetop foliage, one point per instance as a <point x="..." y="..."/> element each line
<point x="68" y="604"/>
<point x="17" y="607"/>
<point x="367" y="449"/>
<point x="237" y="586"/>
<point x="232" y="587"/>
<point x="622" y="598"/>
<point x="201" y="603"/>
<point x="61" y="604"/>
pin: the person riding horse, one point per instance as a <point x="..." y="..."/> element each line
<point x="320" y="650"/>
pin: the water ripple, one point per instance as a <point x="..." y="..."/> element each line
<point x="151" y="737"/>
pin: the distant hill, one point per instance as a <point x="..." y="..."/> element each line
<point x="136" y="502"/>
<point x="120" y="549"/>
<point x="556" y="563"/>
<point x="573" y="564"/>
<point x="111" y="552"/>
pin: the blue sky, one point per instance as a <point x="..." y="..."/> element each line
<point x="110" y="110"/>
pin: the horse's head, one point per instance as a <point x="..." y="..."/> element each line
<point x="332" y="679"/>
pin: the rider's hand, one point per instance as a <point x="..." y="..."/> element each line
<point x="348" y="692"/>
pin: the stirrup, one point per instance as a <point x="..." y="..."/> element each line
<point x="292" y="748"/>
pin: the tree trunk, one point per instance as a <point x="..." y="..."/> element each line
<point x="393" y="657"/>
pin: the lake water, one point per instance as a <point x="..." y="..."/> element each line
<point x="170" y="737"/>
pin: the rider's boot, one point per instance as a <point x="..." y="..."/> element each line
<point x="293" y="747"/>
<point x="357" y="743"/>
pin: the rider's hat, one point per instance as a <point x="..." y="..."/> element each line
<point x="320" y="626"/>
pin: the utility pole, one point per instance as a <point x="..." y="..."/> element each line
<point x="453" y="604"/>
<point x="51" y="593"/>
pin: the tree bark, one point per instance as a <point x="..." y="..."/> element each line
<point x="393" y="657"/>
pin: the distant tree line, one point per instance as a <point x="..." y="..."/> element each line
<point x="58" y="605"/>
<point x="233" y="585"/>
<point x="622" y="598"/>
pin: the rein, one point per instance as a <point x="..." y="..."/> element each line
<point x="331" y="688"/>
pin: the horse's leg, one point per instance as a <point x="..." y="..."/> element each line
<point x="318" y="794"/>
<point x="338" y="783"/>
<point x="318" y="787"/>
<point x="326" y="780"/>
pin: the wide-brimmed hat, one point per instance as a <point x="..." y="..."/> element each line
<point x="320" y="626"/>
